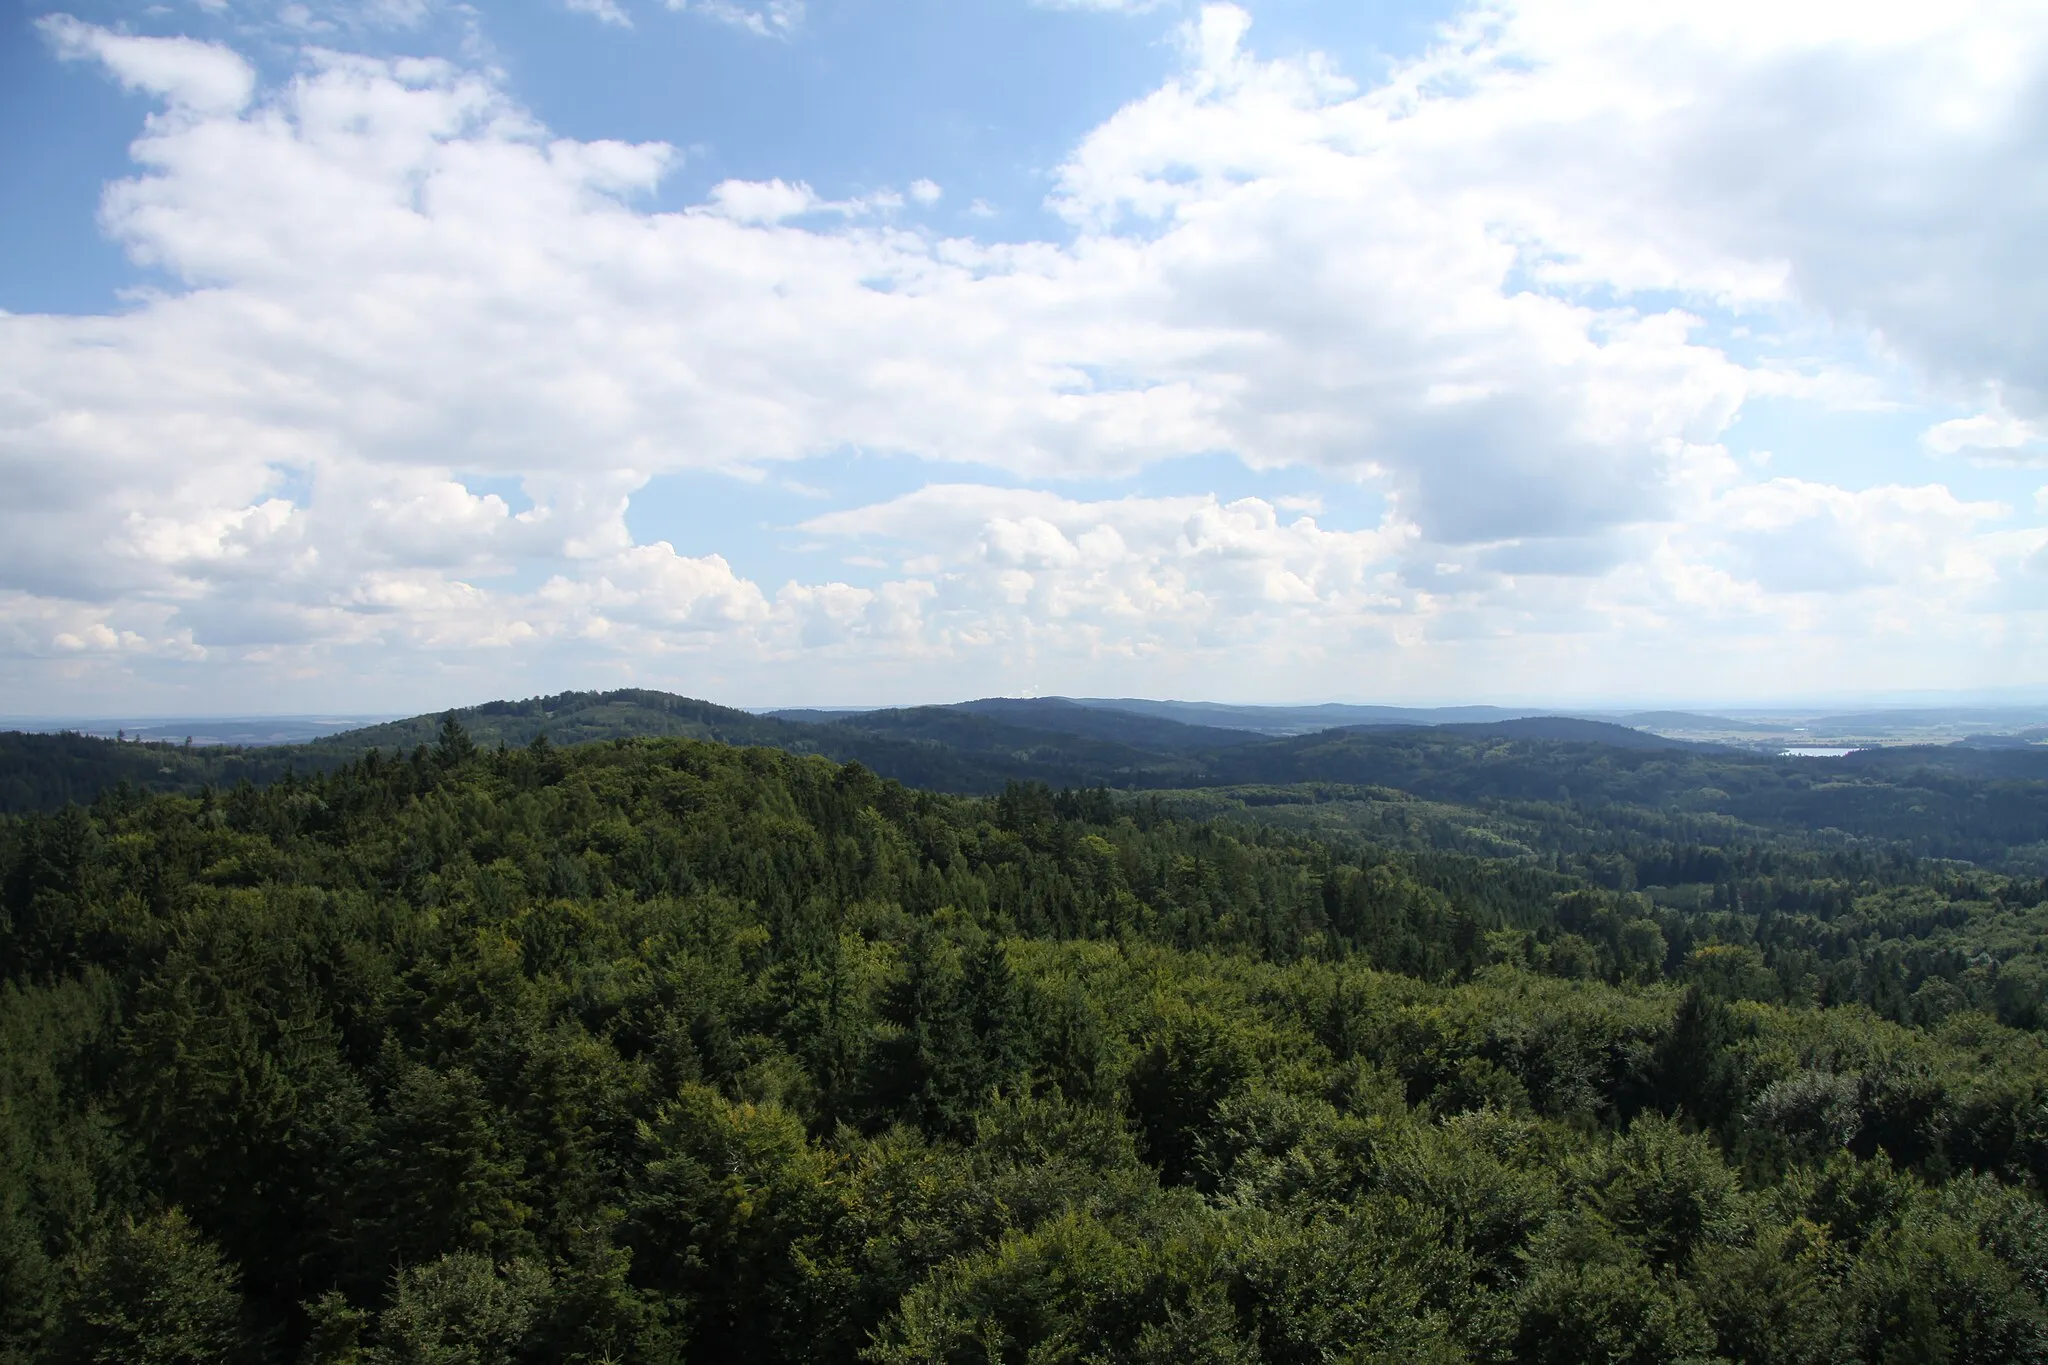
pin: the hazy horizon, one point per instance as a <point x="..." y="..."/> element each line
<point x="1794" y="708"/>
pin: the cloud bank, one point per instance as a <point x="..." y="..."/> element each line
<point x="1516" y="291"/>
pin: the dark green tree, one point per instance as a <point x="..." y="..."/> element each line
<point x="1695" y="1072"/>
<point x="154" y="1291"/>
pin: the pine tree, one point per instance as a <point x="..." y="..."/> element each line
<point x="1696" y="1072"/>
<point x="454" y="744"/>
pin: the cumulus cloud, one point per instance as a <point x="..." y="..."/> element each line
<point x="1200" y="584"/>
<point x="1143" y="570"/>
<point x="1495" y="288"/>
<point x="1998" y="433"/>
<point x="204" y="78"/>
<point x="763" y="201"/>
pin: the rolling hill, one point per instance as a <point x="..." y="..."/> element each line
<point x="1574" y="777"/>
<point x="1047" y="715"/>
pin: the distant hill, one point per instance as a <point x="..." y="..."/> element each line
<point x="239" y="732"/>
<point x="1679" y="720"/>
<point x="1571" y="730"/>
<point x="939" y="748"/>
<point x="1062" y="716"/>
<point x="1977" y="803"/>
<point x="1184" y="726"/>
<point x="2022" y="762"/>
<point x="1083" y="756"/>
<point x="1988" y="806"/>
<point x="571" y="718"/>
<point x="1880" y="722"/>
<point x="1056" y="715"/>
<point x="1299" y="720"/>
<point x="1539" y="760"/>
<point x="45" y="771"/>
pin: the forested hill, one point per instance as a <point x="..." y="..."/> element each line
<point x="570" y="718"/>
<point x="44" y="772"/>
<point x="1601" y="780"/>
<point x="668" y="1051"/>
<point x="1030" y="745"/>
<point x="1986" y="806"/>
<point x="1060" y="716"/>
<point x="1979" y="806"/>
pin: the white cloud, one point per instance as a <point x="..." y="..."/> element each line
<point x="1130" y="576"/>
<point x="1491" y="289"/>
<point x="1997" y="431"/>
<point x="763" y="201"/>
<point x="1102" y="6"/>
<point x="1871" y="165"/>
<point x="203" y="78"/>
<point x="1790" y="535"/>
<point x="604" y="11"/>
<point x="1200" y="583"/>
<point x="775" y="19"/>
<point x="773" y="201"/>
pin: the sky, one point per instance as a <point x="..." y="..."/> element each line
<point x="385" y="355"/>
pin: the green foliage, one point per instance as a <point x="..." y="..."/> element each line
<point x="664" y="1051"/>
<point x="460" y="1309"/>
<point x="153" y="1292"/>
<point x="1591" y="1297"/>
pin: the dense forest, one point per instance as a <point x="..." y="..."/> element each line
<point x="48" y="772"/>
<point x="666" y="1050"/>
<point x="1986" y="806"/>
<point x="939" y="748"/>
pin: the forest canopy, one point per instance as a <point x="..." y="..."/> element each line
<point x="666" y="1050"/>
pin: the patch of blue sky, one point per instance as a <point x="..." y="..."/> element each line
<point x="986" y="98"/>
<point x="1363" y="41"/>
<point x="755" y="523"/>
<point x="64" y="132"/>
<point x="293" y="483"/>
<point x="66" y="127"/>
<point x="1335" y="503"/>
<point x="1856" y="440"/>
<point x="522" y="575"/>
<point x="1862" y="449"/>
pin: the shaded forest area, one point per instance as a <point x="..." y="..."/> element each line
<point x="662" y="1050"/>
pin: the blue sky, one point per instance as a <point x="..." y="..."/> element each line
<point x="988" y="94"/>
<point x="394" y="354"/>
